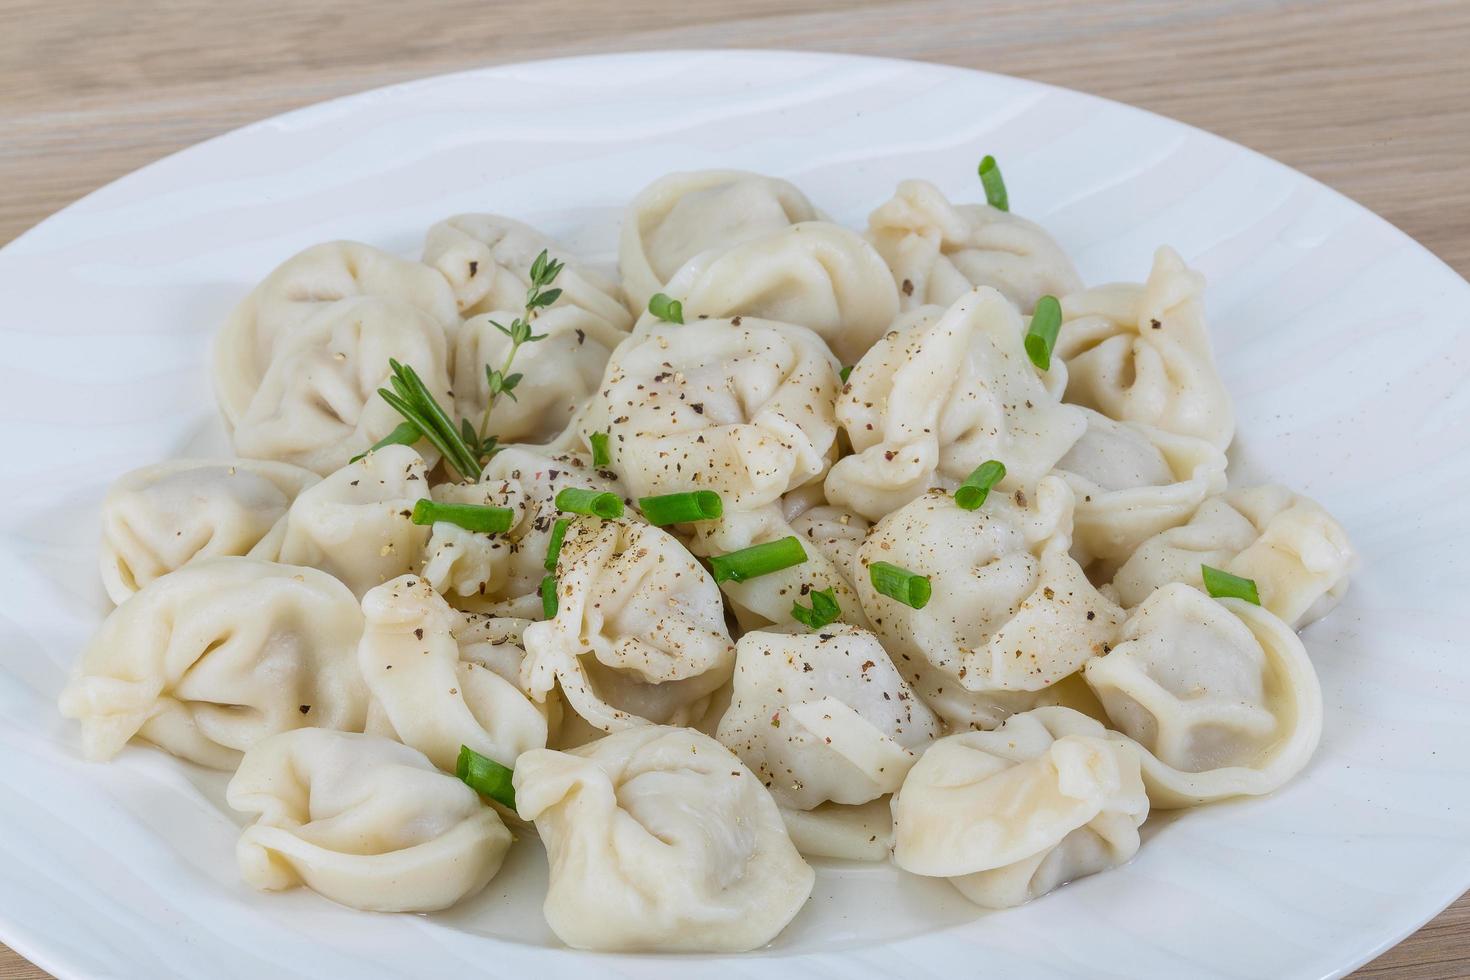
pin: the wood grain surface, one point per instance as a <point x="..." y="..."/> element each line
<point x="1369" y="96"/>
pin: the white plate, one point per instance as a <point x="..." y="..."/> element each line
<point x="1344" y="343"/>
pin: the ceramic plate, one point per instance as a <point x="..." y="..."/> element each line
<point x="1346" y="347"/>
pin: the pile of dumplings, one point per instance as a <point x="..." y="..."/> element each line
<point x="681" y="746"/>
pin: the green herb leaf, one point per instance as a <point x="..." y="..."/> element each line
<point x="823" y="610"/>
<point x="405" y="434"/>
<point x="761" y="559"/>
<point x="995" y="185"/>
<point x="898" y="583"/>
<point x="972" y="493"/>
<point x="1041" y="336"/>
<point x="601" y="456"/>
<point x="845" y="373"/>
<point x="486" y="776"/>
<point x="471" y="517"/>
<point x="681" y="508"/>
<point x="598" y="503"/>
<point x="1223" y="585"/>
<point x="666" y="309"/>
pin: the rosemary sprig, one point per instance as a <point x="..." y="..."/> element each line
<point x="412" y="399"/>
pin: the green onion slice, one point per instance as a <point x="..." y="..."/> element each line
<point x="553" y="547"/>
<point x="681" y="508"/>
<point x="471" y="517"/>
<point x="761" y="559"/>
<point x="598" y="503"/>
<point x="994" y="184"/>
<point x="1041" y="336"/>
<point x="600" y="454"/>
<point x="548" y="597"/>
<point x="1223" y="585"/>
<point x="666" y="309"/>
<point x="823" y="610"/>
<point x="972" y="493"/>
<point x="485" y="776"/>
<point x="901" y="584"/>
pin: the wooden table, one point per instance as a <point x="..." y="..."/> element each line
<point x="1370" y="96"/>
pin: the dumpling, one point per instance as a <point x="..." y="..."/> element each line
<point x="364" y="821"/>
<point x="815" y="274"/>
<point x="487" y="260"/>
<point x="767" y="599"/>
<point x="850" y="833"/>
<point x="317" y="405"/>
<point x="300" y="288"/>
<point x="1009" y="815"/>
<point x="357" y="523"/>
<point x="660" y="839"/>
<point x="1011" y="612"/>
<point x="502" y="573"/>
<point x="740" y="406"/>
<point x="561" y="371"/>
<point x="1219" y="694"/>
<point x="1142" y="353"/>
<point x="682" y="215"/>
<point x="823" y="717"/>
<point x="1298" y="556"/>
<point x="161" y="517"/>
<point x="639" y="634"/>
<point x="430" y="689"/>
<point x="1132" y="481"/>
<point x="939" y="251"/>
<point x="206" y="661"/>
<point x="943" y="392"/>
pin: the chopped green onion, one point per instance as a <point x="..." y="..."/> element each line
<point x="471" y="517"/>
<point x="548" y="597"/>
<point x="666" y="309"/>
<point x="1041" y="336"/>
<point x="901" y="584"/>
<point x="406" y="434"/>
<point x="553" y="547"/>
<point x="1223" y="585"/>
<point x="761" y="559"/>
<point x="995" y="184"/>
<point x="972" y="493"/>
<point x="598" y="503"/>
<point x="845" y="373"/>
<point x="680" y="508"/>
<point x="600" y="454"/>
<point x="485" y="776"/>
<point x="823" y="610"/>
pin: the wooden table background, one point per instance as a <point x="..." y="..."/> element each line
<point x="1369" y="96"/>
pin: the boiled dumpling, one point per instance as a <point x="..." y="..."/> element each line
<point x="815" y="274"/>
<point x="297" y="291"/>
<point x="1132" y="481"/>
<point x="823" y="716"/>
<point x="559" y="372"/>
<point x="1011" y="612"/>
<point x="502" y="573"/>
<point x="363" y="820"/>
<point x="939" y="251"/>
<point x="434" y="688"/>
<point x="207" y="660"/>
<point x="357" y="523"/>
<point x="835" y="830"/>
<point x="682" y="215"/>
<point x="943" y="392"/>
<point x="1142" y="353"/>
<point x="161" y="517"/>
<point x="1218" y="692"/>
<point x="1009" y="815"/>
<point x="744" y="409"/>
<point x="487" y="260"/>
<point x="660" y="839"/>
<point x="1298" y="556"/>
<point x="639" y="633"/>
<point x="317" y="405"/>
